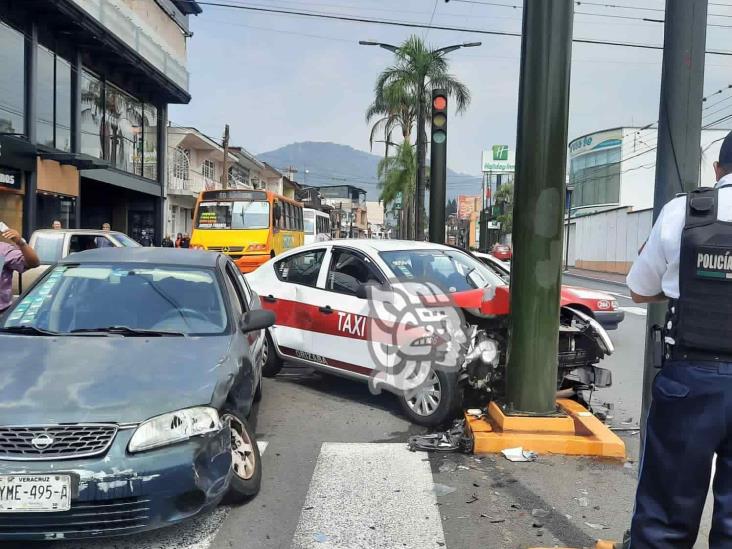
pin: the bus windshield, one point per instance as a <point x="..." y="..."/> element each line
<point x="233" y="215"/>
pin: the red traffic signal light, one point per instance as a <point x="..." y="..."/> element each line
<point x="439" y="103"/>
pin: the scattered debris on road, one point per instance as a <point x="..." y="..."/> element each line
<point x="442" y="489"/>
<point x="595" y="526"/>
<point x="455" y="439"/>
<point x="519" y="454"/>
<point x="447" y="467"/>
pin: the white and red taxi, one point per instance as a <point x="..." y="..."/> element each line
<point x="597" y="304"/>
<point x="324" y="319"/>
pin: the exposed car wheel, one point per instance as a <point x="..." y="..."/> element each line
<point x="246" y="462"/>
<point x="434" y="402"/>
<point x="271" y="363"/>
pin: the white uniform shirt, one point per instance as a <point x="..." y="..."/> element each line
<point x="657" y="268"/>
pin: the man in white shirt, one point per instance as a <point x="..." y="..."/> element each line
<point x="687" y="260"/>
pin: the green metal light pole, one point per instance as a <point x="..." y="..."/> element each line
<point x="541" y="155"/>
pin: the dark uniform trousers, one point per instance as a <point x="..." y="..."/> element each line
<point x="690" y="420"/>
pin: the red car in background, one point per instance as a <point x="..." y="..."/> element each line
<point x="599" y="305"/>
<point x="502" y="252"/>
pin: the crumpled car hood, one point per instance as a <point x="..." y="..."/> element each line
<point x="68" y="379"/>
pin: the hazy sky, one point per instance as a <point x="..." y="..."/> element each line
<point x="277" y="79"/>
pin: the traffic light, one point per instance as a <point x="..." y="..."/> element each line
<point x="438" y="166"/>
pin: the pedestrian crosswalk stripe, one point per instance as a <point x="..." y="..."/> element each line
<point x="369" y="495"/>
<point x="640" y="311"/>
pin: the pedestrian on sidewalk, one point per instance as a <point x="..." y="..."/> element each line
<point x="687" y="260"/>
<point x="167" y="242"/>
<point x="185" y="242"/>
<point x="17" y="257"/>
<point x="179" y="240"/>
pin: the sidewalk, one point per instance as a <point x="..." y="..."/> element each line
<point x="610" y="278"/>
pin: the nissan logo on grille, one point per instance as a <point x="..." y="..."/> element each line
<point x="42" y="441"/>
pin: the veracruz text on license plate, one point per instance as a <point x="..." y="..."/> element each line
<point x="34" y="493"/>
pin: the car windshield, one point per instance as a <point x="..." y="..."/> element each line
<point x="449" y="269"/>
<point x="501" y="268"/>
<point x="77" y="298"/>
<point x="126" y="241"/>
<point x="233" y="215"/>
<point x="49" y="246"/>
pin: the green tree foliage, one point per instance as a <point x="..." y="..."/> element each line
<point x="399" y="92"/>
<point x="504" y="199"/>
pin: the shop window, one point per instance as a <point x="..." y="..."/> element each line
<point x="63" y="104"/>
<point x="123" y="136"/>
<point x="53" y="125"/>
<point x="150" y="141"/>
<point x="46" y="80"/>
<point x="54" y="207"/>
<point x="12" y="83"/>
<point x="92" y="111"/>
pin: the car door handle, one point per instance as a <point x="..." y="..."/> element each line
<point x="269" y="298"/>
<point x="327" y="310"/>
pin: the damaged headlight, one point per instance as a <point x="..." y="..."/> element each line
<point x="174" y="427"/>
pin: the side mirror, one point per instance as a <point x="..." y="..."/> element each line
<point x="258" y="319"/>
<point x="362" y="291"/>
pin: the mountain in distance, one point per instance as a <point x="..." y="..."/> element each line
<point x="324" y="163"/>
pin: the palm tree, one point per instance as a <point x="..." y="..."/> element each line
<point x="397" y="175"/>
<point x="396" y="108"/>
<point x="403" y="92"/>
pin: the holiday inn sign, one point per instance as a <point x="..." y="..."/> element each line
<point x="499" y="159"/>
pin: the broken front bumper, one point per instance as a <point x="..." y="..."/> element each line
<point x="120" y="493"/>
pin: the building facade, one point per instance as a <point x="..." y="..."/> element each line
<point x="617" y="167"/>
<point x="195" y="164"/>
<point x="612" y="173"/>
<point x="377" y="227"/>
<point x="83" y="110"/>
<point x="349" y="215"/>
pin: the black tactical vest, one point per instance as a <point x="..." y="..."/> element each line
<point x="701" y="318"/>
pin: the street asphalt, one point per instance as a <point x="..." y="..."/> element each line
<point x="337" y="474"/>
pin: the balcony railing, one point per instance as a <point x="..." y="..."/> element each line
<point x="125" y="25"/>
<point x="193" y="184"/>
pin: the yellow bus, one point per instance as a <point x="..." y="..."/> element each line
<point x="248" y="226"/>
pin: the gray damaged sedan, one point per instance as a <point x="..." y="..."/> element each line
<point x="127" y="379"/>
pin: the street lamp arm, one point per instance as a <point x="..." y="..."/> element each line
<point x="380" y="44"/>
<point x="448" y="49"/>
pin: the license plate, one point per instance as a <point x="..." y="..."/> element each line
<point x="34" y="493"/>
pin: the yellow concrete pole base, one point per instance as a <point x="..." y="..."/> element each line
<point x="575" y="432"/>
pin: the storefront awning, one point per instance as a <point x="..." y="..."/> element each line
<point x="17" y="152"/>
<point x="78" y="160"/>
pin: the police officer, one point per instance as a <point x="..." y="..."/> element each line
<point x="687" y="260"/>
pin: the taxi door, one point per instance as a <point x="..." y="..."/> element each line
<point x="339" y="335"/>
<point x="287" y="294"/>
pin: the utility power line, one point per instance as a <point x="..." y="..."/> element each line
<point x="406" y="24"/>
